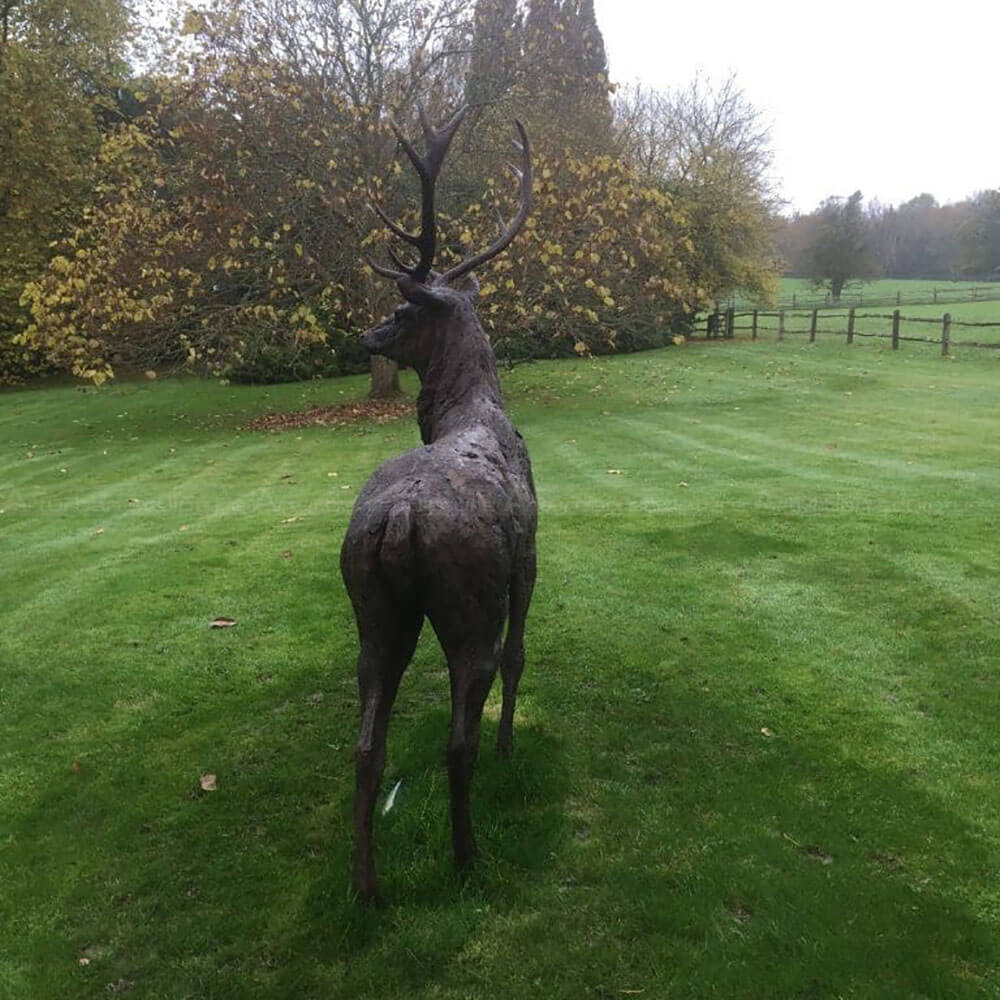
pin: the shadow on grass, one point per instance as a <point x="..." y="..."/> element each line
<point x="723" y="862"/>
<point x="172" y="882"/>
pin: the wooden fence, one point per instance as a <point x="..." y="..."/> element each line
<point x="724" y="325"/>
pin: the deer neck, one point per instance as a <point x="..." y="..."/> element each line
<point x="459" y="386"/>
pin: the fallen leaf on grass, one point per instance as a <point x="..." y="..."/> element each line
<point x="614" y="472"/>
<point x="817" y="854"/>
<point x="99" y="531"/>
<point x="766" y="732"/>
<point x="183" y="527"/>
<point x="379" y="411"/>
<point x="207" y="782"/>
<point x="391" y="800"/>
<point x="683" y="484"/>
<point x="223" y="623"/>
<point x="290" y="520"/>
<point x="287" y="554"/>
<point x="83" y="961"/>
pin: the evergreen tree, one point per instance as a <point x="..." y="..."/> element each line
<point x="496" y="51"/>
<point x="565" y="77"/>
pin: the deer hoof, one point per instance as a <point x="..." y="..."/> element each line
<point x="505" y="745"/>
<point x="366" y="892"/>
<point x="466" y="855"/>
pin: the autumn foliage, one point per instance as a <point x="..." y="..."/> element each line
<point x="229" y="217"/>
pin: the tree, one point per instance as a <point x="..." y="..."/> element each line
<point x="564" y="80"/>
<point x="494" y="54"/>
<point x="231" y="217"/>
<point x="228" y="226"/>
<point x="709" y="148"/>
<point x="60" y="61"/>
<point x="981" y="235"/>
<point x="843" y="248"/>
<point x="604" y="263"/>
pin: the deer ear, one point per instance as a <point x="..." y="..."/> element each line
<point x="420" y="294"/>
<point x="468" y="285"/>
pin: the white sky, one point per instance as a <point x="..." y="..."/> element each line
<point x="893" y="98"/>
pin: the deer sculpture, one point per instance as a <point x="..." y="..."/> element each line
<point x="446" y="531"/>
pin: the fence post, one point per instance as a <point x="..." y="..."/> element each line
<point x="974" y="291"/>
<point x="850" y="326"/>
<point x="898" y="298"/>
<point x="812" y="326"/>
<point x="895" y="329"/>
<point x="945" y="334"/>
<point x="730" y="323"/>
<point x="781" y="324"/>
<point x="753" y="327"/>
<point x="935" y="296"/>
<point x="794" y="300"/>
<point x="826" y="299"/>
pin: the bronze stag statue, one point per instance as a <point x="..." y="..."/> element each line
<point x="445" y="531"/>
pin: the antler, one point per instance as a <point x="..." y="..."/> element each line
<point x="508" y="232"/>
<point x="428" y="167"/>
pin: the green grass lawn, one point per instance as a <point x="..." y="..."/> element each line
<point x="758" y="735"/>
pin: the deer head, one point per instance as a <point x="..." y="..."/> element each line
<point x="433" y="299"/>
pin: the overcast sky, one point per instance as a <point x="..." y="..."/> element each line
<point x="889" y="97"/>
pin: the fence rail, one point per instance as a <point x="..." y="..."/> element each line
<point x="723" y="325"/>
<point x="936" y="296"/>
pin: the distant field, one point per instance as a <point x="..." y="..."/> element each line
<point x="884" y="288"/>
<point x="882" y="292"/>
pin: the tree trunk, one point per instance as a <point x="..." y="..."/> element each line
<point x="385" y="378"/>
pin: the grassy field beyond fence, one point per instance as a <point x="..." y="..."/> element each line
<point x="757" y="743"/>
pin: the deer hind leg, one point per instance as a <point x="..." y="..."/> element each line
<point x="472" y="670"/>
<point x="512" y="663"/>
<point x="385" y="653"/>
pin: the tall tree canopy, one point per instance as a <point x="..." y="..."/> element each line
<point x="708" y="146"/>
<point x="981" y="235"/>
<point x="60" y="61"/>
<point x="843" y="248"/>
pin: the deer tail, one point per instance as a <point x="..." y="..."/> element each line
<point x="396" y="549"/>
